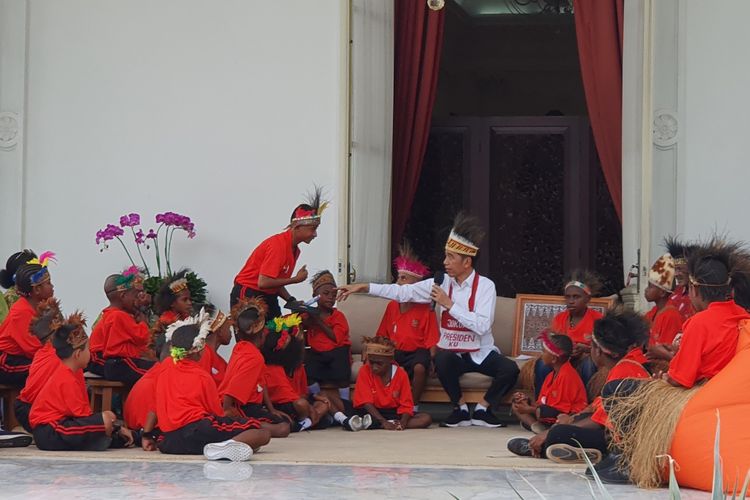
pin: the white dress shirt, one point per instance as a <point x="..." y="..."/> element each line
<point x="478" y="321"/>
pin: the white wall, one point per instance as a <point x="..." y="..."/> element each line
<point x="224" y="110"/>
<point x="717" y="106"/>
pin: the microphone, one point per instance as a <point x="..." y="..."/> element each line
<point x="438" y="279"/>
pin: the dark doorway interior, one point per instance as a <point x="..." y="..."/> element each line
<point x="511" y="143"/>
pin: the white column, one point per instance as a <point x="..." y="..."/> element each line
<point x="13" y="26"/>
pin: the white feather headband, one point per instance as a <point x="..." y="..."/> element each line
<point x="201" y="319"/>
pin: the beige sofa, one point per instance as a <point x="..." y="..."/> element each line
<point x="365" y="312"/>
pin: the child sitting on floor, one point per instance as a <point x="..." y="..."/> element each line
<point x="412" y="327"/>
<point x="187" y="404"/>
<point x="45" y="361"/>
<point x="17" y="344"/>
<point x="665" y="320"/>
<point x="328" y="361"/>
<point x="617" y="345"/>
<point x="242" y="392"/>
<point x="221" y="334"/>
<point x="61" y="418"/>
<point x="126" y="332"/>
<point x="562" y="393"/>
<point x="383" y="393"/>
<point x="139" y="410"/>
<point x="173" y="302"/>
<point x="7" y="280"/>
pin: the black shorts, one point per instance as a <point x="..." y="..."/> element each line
<point x="74" y="434"/>
<point x="22" y="409"/>
<point x="126" y="370"/>
<point x="287" y="408"/>
<point x="271" y="300"/>
<point x="548" y="414"/>
<point x="256" y="411"/>
<point x="408" y="359"/>
<point x="387" y="413"/>
<point x="333" y="367"/>
<point x="14" y="370"/>
<point x="191" y="438"/>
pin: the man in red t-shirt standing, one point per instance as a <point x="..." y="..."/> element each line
<point x="269" y="268"/>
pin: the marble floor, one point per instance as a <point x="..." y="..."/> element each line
<point x="31" y="478"/>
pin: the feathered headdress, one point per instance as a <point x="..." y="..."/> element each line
<point x="43" y="260"/>
<point x="216" y="320"/>
<point x="46" y="312"/>
<point x="245" y="303"/>
<point x="733" y="256"/>
<point x="203" y="322"/>
<point x="408" y="262"/>
<point x="677" y="249"/>
<point x="465" y="236"/>
<point x="589" y="282"/>
<point x="129" y="278"/>
<point x="75" y="326"/>
<point x="287" y="326"/>
<point x="311" y="212"/>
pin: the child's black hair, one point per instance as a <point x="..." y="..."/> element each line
<point x="184" y="336"/>
<point x="165" y="297"/>
<point x="290" y="357"/>
<point x="563" y="343"/>
<point x="245" y="314"/>
<point x="588" y="278"/>
<point x="621" y="331"/>
<point x="23" y="277"/>
<point x="11" y="267"/>
<point x="720" y="270"/>
<point x="69" y="335"/>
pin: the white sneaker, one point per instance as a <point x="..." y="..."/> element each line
<point x="353" y="423"/>
<point x="228" y="450"/>
<point x="366" y="421"/>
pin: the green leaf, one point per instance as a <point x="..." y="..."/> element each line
<point x="717" y="491"/>
<point x="602" y="489"/>
<point x="743" y="493"/>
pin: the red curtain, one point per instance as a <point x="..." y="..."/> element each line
<point x="418" y="42"/>
<point x="599" y="34"/>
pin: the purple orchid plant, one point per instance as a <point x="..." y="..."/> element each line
<point x="168" y="222"/>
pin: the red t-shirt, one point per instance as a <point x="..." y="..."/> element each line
<point x="319" y="341"/>
<point x="396" y="395"/>
<point x="665" y="325"/>
<point x="579" y="334"/>
<point x="213" y="364"/>
<point x="142" y="397"/>
<point x="244" y="377"/>
<point x="279" y="386"/>
<point x="43" y="366"/>
<point x="124" y="337"/>
<point x="416" y="328"/>
<point x="15" y="336"/>
<point x="63" y="396"/>
<point x="185" y="393"/>
<point x="630" y="366"/>
<point x="100" y="333"/>
<point x="274" y="258"/>
<point x="709" y="342"/>
<point x="680" y="300"/>
<point x="299" y="380"/>
<point x="564" y="391"/>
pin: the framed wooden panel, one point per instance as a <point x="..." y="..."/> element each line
<point x="534" y="313"/>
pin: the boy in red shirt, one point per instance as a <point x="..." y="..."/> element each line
<point x="61" y="417"/>
<point x="718" y="272"/>
<point x="17" y="344"/>
<point x="241" y="392"/>
<point x="382" y="391"/>
<point x="187" y="404"/>
<point x="45" y="361"/>
<point x="680" y="298"/>
<point x="328" y="361"/>
<point x="665" y="320"/>
<point x="269" y="268"/>
<point x="125" y="330"/>
<point x="98" y="338"/>
<point x="412" y="327"/>
<point x="562" y="393"/>
<point x="221" y="334"/>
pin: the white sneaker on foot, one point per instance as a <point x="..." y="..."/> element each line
<point x="366" y="421"/>
<point x="228" y="450"/>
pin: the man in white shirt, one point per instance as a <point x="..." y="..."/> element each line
<point x="467" y="311"/>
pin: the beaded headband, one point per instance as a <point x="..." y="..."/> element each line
<point x="178" y="285"/>
<point x="460" y="245"/>
<point x="548" y="345"/>
<point x="579" y="284"/>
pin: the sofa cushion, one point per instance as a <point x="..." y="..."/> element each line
<point x="363" y="312"/>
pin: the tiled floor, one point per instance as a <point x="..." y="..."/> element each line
<point x="27" y="478"/>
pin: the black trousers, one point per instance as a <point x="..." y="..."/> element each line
<point x="271" y="300"/>
<point x="569" y="434"/>
<point x="450" y="366"/>
<point x="14" y="370"/>
<point x="126" y="370"/>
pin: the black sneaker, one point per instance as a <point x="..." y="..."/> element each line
<point x="459" y="418"/>
<point x="566" y="454"/>
<point x="485" y="418"/>
<point x="14" y="439"/>
<point x="611" y="470"/>
<point x="519" y="446"/>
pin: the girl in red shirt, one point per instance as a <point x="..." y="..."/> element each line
<point x="61" y="418"/>
<point x="221" y="334"/>
<point x="383" y="393"/>
<point x="412" y="327"/>
<point x="562" y="393"/>
<point x="173" y="302"/>
<point x="17" y="344"/>
<point x="328" y="361"/>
